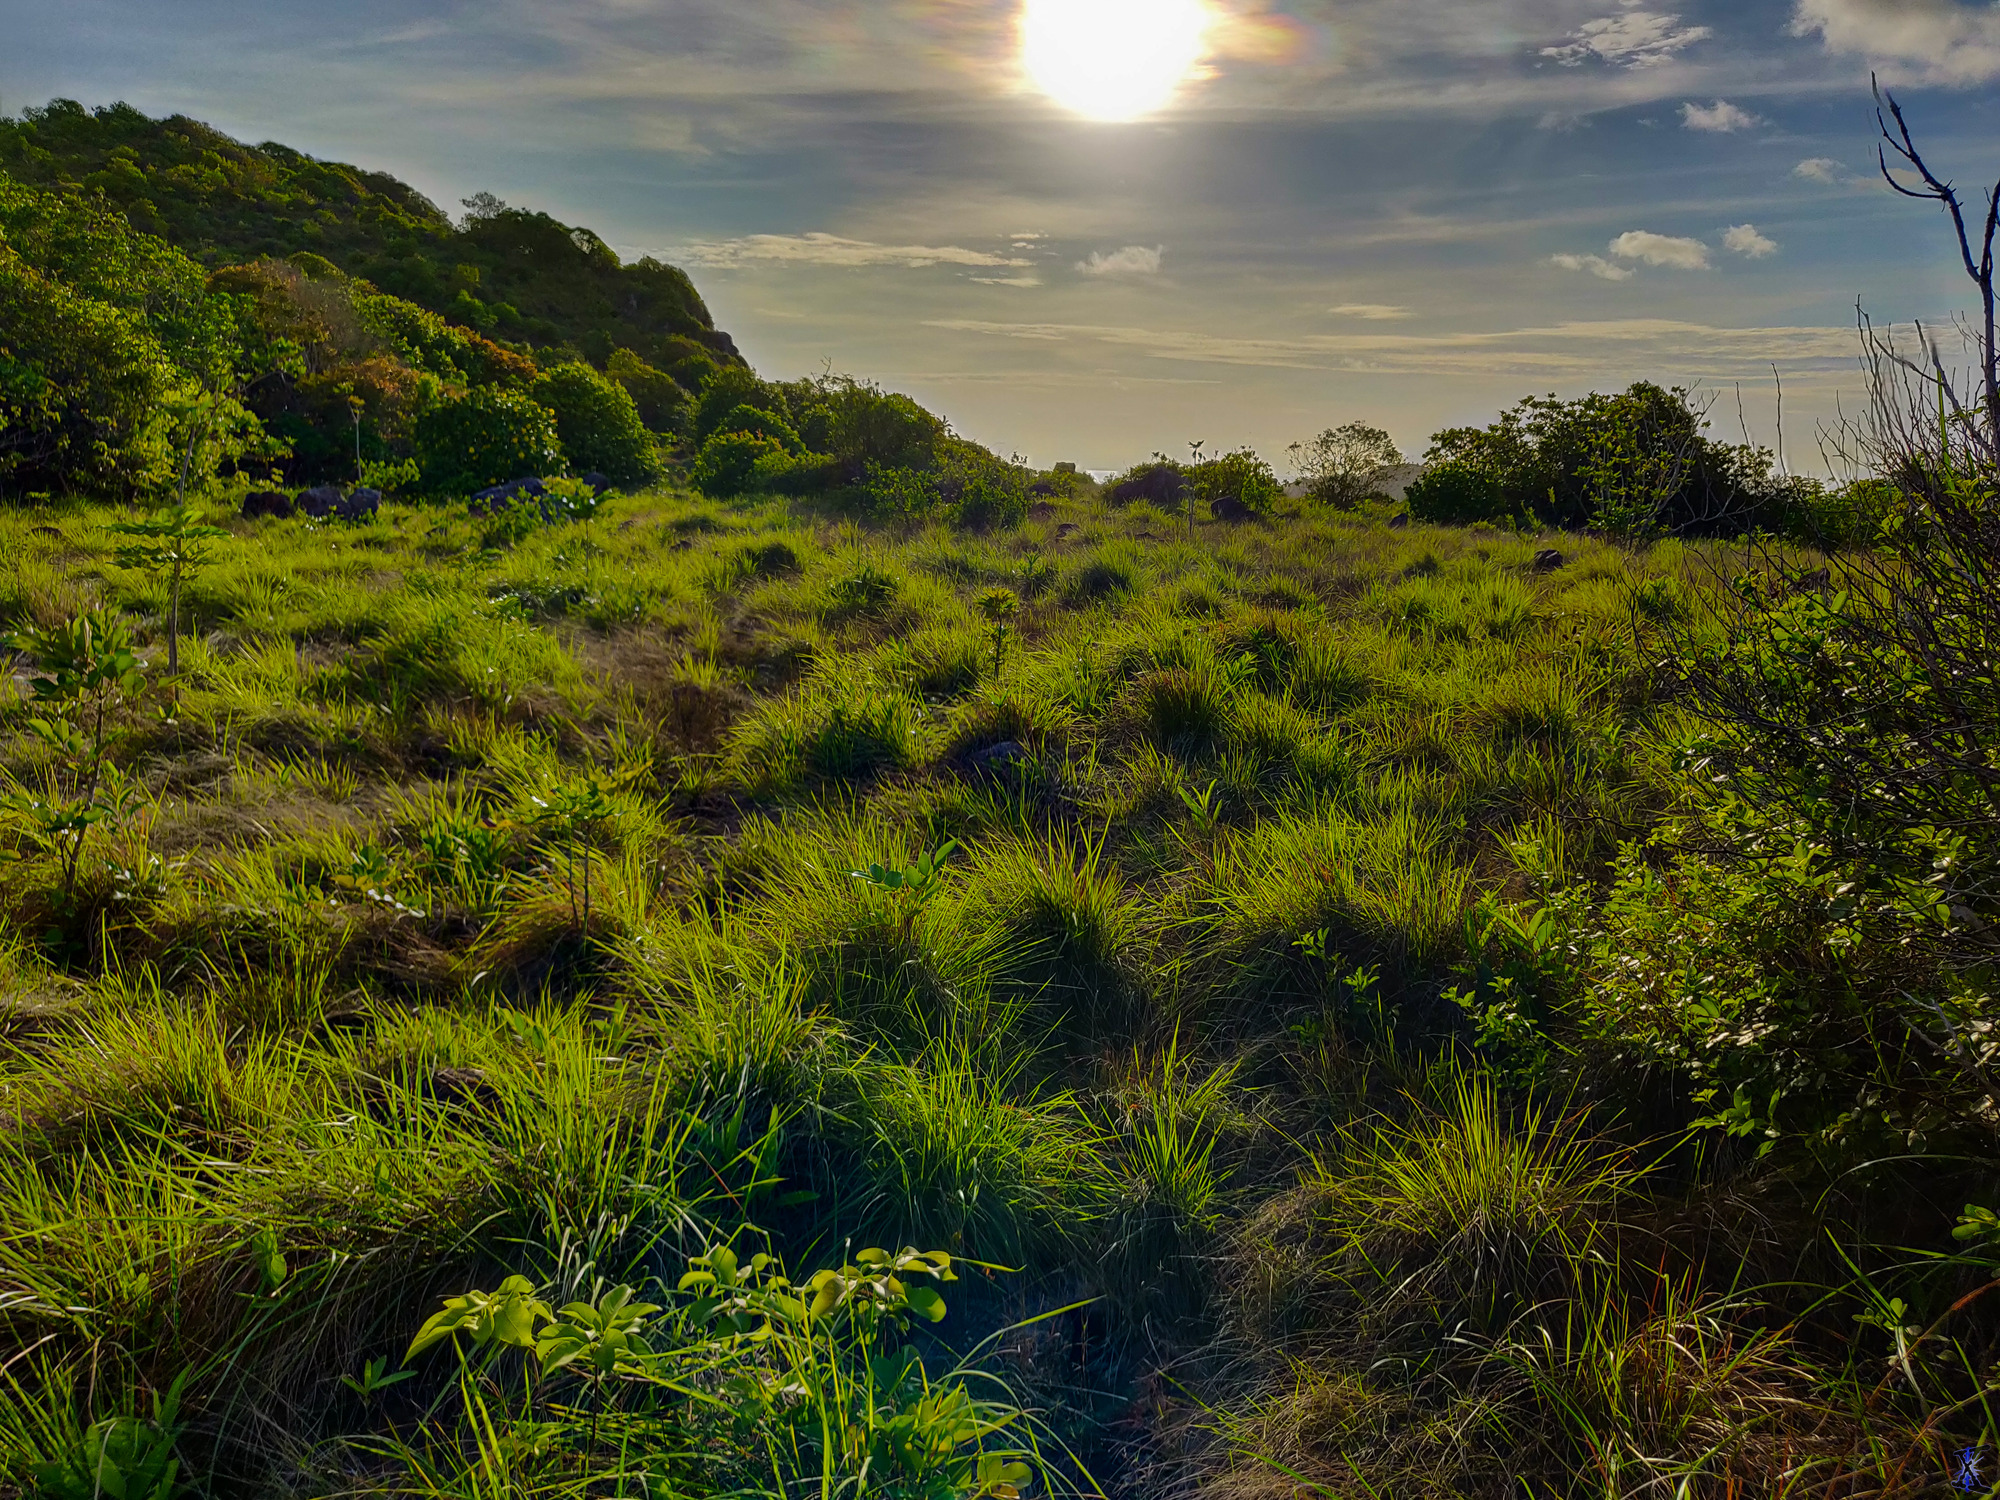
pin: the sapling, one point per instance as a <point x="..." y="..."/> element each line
<point x="173" y="541"/>
<point x="574" y="812"/>
<point x="999" y="606"/>
<point x="86" y="667"/>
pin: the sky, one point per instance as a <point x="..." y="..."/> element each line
<point x="1299" y="212"/>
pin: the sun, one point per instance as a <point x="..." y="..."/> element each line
<point x="1113" y="59"/>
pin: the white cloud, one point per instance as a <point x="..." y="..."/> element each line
<point x="1562" y="122"/>
<point x="1661" y="250"/>
<point x="831" y="250"/>
<point x="1945" y="41"/>
<point x="1373" y="312"/>
<point x="1719" y="118"/>
<point x="1747" y="239"/>
<point x="1597" y="265"/>
<point x="1008" y="280"/>
<point x="1635" y="39"/>
<point x="1819" y="169"/>
<point x="1576" y="349"/>
<point x="1133" y="260"/>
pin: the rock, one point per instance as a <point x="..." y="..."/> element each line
<point x="1548" y="560"/>
<point x="1397" y="523"/>
<point x="1065" y="468"/>
<point x="361" y="505"/>
<point x="1067" y="530"/>
<point x="267" y="503"/>
<point x="1159" y="483"/>
<point x="321" y="501"/>
<point x="1041" y="512"/>
<point x="1045" y="488"/>
<point x="500" y="497"/>
<point x="597" y="482"/>
<point x="1229" y="508"/>
<point x="998" y="760"/>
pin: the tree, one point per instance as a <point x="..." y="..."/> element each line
<point x="1897" y="139"/>
<point x="1343" y="465"/>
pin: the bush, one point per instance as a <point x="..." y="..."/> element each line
<point x="727" y="389"/>
<point x="1459" y="492"/>
<point x="746" y="418"/>
<point x="728" y="463"/>
<point x="663" y="406"/>
<point x="485" y="437"/>
<point x="1635" y="462"/>
<point x="598" y="424"/>
<point x="863" y="426"/>
<point x="1241" y="477"/>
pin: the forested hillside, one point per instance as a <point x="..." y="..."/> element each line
<point x="511" y="273"/>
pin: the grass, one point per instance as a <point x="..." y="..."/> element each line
<point x="489" y="907"/>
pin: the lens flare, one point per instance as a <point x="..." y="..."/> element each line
<point x="1113" y="59"/>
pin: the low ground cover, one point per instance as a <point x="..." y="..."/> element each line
<point x="1253" y="965"/>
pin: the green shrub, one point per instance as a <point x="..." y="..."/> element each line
<point x="728" y="463"/>
<point x="1241" y="477"/>
<point x="861" y="425"/>
<point x="1459" y="492"/>
<point x="726" y="389"/>
<point x="485" y="437"/>
<point x="746" y="418"/>
<point x="662" y="405"/>
<point x="597" y="424"/>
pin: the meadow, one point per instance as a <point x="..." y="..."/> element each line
<point x="719" y="998"/>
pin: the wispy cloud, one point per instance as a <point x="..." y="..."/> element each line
<point x="1007" y="280"/>
<point x="1661" y="250"/>
<point x="1943" y="41"/>
<point x="1819" y="169"/>
<point x="1597" y="265"/>
<point x="1719" y="118"/>
<point x="1373" y="312"/>
<point x="1630" y="39"/>
<point x="831" y="250"/>
<point x="1133" y="260"/>
<point x="1573" y="348"/>
<point x="1747" y="239"/>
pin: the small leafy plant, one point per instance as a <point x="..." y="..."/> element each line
<point x="173" y="542"/>
<point x="86" y="669"/>
<point x="913" y="886"/>
<point x="120" y="1458"/>
<point x="812" y="1386"/>
<point x="999" y="607"/>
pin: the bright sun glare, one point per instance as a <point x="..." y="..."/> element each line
<point x="1112" y="59"/>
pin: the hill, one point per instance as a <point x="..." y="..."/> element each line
<point x="510" y="273"/>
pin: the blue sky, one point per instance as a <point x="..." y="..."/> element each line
<point x="1404" y="211"/>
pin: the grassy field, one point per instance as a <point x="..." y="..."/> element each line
<point x="608" y="902"/>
